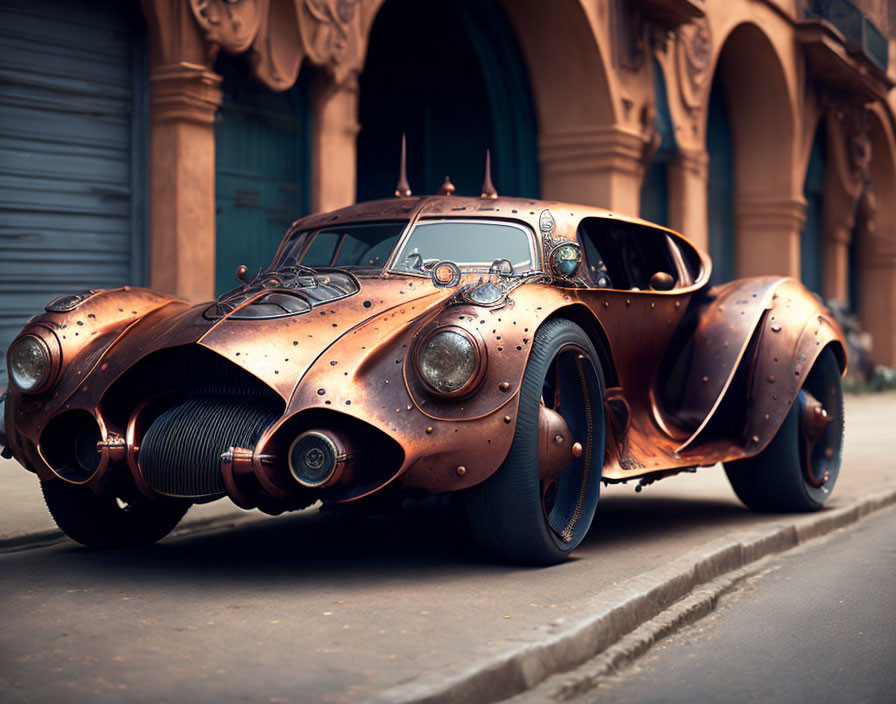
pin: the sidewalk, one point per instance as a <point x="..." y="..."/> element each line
<point x="25" y="521"/>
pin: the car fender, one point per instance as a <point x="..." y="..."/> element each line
<point x="793" y="329"/>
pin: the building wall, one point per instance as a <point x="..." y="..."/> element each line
<point x="599" y="130"/>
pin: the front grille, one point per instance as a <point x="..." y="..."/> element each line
<point x="180" y="454"/>
<point x="215" y="405"/>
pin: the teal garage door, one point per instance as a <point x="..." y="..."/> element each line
<point x="262" y="164"/>
<point x="72" y="155"/>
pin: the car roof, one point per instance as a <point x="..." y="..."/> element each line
<point x="565" y="215"/>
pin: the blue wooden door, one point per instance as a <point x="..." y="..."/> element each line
<point x="73" y="96"/>
<point x="720" y="195"/>
<point x="655" y="187"/>
<point x="261" y="168"/>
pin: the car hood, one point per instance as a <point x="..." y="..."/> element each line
<point x="279" y="350"/>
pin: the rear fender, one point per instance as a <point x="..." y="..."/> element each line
<point x="784" y="356"/>
<point x="794" y="330"/>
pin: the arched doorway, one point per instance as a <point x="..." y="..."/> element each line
<point x="262" y="166"/>
<point x="753" y="90"/>
<point x="454" y="92"/>
<point x="811" y="240"/>
<point x="720" y="196"/>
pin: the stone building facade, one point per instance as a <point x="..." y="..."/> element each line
<point x="762" y="129"/>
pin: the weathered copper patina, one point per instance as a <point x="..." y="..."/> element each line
<point x="675" y="355"/>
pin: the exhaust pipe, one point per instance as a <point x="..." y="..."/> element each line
<point x="321" y="458"/>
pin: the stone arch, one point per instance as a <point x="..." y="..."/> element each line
<point x="581" y="148"/>
<point x="767" y="202"/>
<point x="875" y="233"/>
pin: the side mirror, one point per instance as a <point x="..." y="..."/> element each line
<point x="241" y="272"/>
<point x="661" y="281"/>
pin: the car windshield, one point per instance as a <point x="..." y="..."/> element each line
<point x="467" y="243"/>
<point x="361" y="245"/>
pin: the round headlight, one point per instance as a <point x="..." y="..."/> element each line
<point x="448" y="361"/>
<point x="29" y="363"/>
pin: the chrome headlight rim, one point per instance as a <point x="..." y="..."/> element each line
<point x="52" y="352"/>
<point x="479" y="363"/>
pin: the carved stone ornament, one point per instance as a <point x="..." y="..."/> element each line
<point x="279" y="34"/>
<point x="331" y="33"/>
<point x="857" y="121"/>
<point x="693" y="57"/>
<point x="230" y="24"/>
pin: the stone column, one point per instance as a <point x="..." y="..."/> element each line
<point x="183" y="100"/>
<point x="878" y="303"/>
<point x="835" y="262"/>
<point x="600" y="166"/>
<point x="767" y="239"/>
<point x="688" y="212"/>
<point x="334" y="151"/>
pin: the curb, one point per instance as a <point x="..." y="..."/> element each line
<point x="620" y="612"/>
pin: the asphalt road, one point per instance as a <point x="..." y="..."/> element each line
<point x="816" y="626"/>
<point x="317" y="607"/>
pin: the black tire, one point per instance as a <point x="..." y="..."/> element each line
<point x="512" y="515"/>
<point x="108" y="521"/>
<point x="796" y="472"/>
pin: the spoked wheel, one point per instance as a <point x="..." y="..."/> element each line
<point x="540" y="503"/>
<point x="109" y="521"/>
<point x="798" y="469"/>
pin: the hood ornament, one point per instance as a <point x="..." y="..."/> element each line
<point x="403" y="188"/>
<point x="488" y="188"/>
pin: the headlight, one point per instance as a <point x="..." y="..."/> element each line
<point x="30" y="363"/>
<point x="450" y="361"/>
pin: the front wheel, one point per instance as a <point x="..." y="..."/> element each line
<point x="532" y="512"/>
<point x="798" y="468"/>
<point x="109" y="521"/>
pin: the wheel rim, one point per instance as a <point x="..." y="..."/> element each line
<point x="569" y="500"/>
<point x="821" y="426"/>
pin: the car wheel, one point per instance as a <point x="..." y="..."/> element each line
<point x="798" y="469"/>
<point x="518" y="514"/>
<point x="109" y="521"/>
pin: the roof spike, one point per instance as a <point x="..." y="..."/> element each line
<point x="447" y="188"/>
<point x="488" y="188"/>
<point x="403" y="188"/>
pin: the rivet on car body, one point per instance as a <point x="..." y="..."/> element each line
<point x="577" y="449"/>
<point x="507" y="419"/>
<point x="652" y="305"/>
<point x="461" y="471"/>
<point x="429" y="430"/>
<point x="558" y="439"/>
<point x="755" y="438"/>
<point x="776" y="328"/>
<point x="771" y="378"/>
<point x="504" y="385"/>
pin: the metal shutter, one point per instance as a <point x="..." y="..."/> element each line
<point x="72" y="156"/>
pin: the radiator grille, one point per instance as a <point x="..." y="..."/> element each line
<point x="180" y="455"/>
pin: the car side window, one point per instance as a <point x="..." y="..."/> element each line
<point x="627" y="254"/>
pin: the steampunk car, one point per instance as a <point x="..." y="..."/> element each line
<point x="518" y="352"/>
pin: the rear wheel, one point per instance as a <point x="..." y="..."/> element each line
<point x="531" y="514"/>
<point x="109" y="521"/>
<point x="798" y="469"/>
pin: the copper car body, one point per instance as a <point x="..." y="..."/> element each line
<point x="345" y="367"/>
